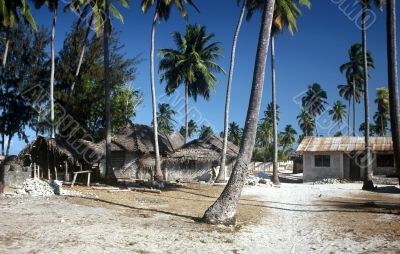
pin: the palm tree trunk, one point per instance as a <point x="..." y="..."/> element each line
<point x="9" y="144"/>
<point x="222" y="169"/>
<point x="53" y="34"/>
<point x="392" y="82"/>
<point x="354" y="107"/>
<point x="158" y="176"/>
<point x="110" y="176"/>
<point x="78" y="69"/>
<point x="224" y="209"/>
<point x="5" y="54"/>
<point x="2" y="144"/>
<point x="348" y="118"/>
<point x="275" y="176"/>
<point x="368" y="184"/>
<point x="186" y="112"/>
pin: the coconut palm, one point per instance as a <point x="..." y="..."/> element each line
<point x="10" y="12"/>
<point x="221" y="173"/>
<point x="205" y="132"/>
<point x="288" y="137"/>
<point x="285" y="14"/>
<point x="192" y="64"/>
<point x="165" y="118"/>
<point x="366" y="6"/>
<point x="234" y="133"/>
<point x="353" y="70"/>
<point x="306" y="122"/>
<point x="314" y="101"/>
<point x="381" y="117"/>
<point x="192" y="129"/>
<point x="338" y="112"/>
<point x="392" y="80"/>
<point x="161" y="13"/>
<point x="350" y="93"/>
<point x="224" y="208"/>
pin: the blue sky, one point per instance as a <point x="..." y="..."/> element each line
<point x="314" y="54"/>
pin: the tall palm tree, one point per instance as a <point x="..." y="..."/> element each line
<point x="205" y="132"/>
<point x="53" y="7"/>
<point x="285" y="14"/>
<point x="350" y="93"/>
<point x="306" y="122"/>
<point x="224" y="208"/>
<point x="165" y="118"/>
<point x="366" y="5"/>
<point x="382" y="116"/>
<point x="192" y="64"/>
<point x="288" y="137"/>
<point x="191" y="127"/>
<point x="314" y="101"/>
<point x="392" y="80"/>
<point x="221" y="173"/>
<point x="354" y="71"/>
<point x="10" y="12"/>
<point x="338" y="112"/>
<point x="234" y="133"/>
<point x="161" y="13"/>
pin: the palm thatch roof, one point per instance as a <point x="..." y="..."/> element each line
<point x="140" y="138"/>
<point x="205" y="150"/>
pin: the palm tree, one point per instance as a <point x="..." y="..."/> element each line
<point x="165" y="118"/>
<point x="288" y="137"/>
<point x="53" y="7"/>
<point x="205" y="132"/>
<point x="10" y="11"/>
<point x="285" y="14"/>
<point x="306" y="122"/>
<point x="349" y="92"/>
<point x="392" y="80"/>
<point x="221" y="173"/>
<point x="381" y="117"/>
<point x="224" y="209"/>
<point x="354" y="74"/>
<point x="338" y="112"/>
<point x="192" y="64"/>
<point x="314" y="101"/>
<point x="366" y="5"/>
<point x="192" y="129"/>
<point x="162" y="12"/>
<point x="234" y="133"/>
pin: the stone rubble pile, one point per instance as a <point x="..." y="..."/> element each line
<point x="331" y="181"/>
<point x="257" y="181"/>
<point x="41" y="188"/>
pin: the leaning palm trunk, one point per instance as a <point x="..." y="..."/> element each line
<point x="354" y="107"/>
<point x="53" y="34"/>
<point x="368" y="184"/>
<point x="186" y="112"/>
<point x="158" y="176"/>
<point x="393" y="86"/>
<point x="224" y="209"/>
<point x="78" y="68"/>
<point x="110" y="176"/>
<point x="9" y="144"/>
<point x="275" y="176"/>
<point x="222" y="169"/>
<point x="5" y="54"/>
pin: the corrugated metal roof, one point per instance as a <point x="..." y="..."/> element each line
<point x="344" y="144"/>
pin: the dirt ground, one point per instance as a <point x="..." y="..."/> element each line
<point x="292" y="218"/>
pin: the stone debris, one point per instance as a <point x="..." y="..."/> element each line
<point x="41" y="188"/>
<point x="257" y="181"/>
<point x="331" y="181"/>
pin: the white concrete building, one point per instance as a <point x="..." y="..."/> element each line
<point x="343" y="157"/>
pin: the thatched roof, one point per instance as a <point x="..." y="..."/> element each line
<point x="140" y="138"/>
<point x="206" y="150"/>
<point x="344" y="144"/>
<point x="57" y="151"/>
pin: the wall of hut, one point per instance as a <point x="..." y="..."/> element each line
<point x="189" y="171"/>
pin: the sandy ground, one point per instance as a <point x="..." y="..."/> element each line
<point x="294" y="218"/>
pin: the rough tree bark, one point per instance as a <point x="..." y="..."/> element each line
<point x="393" y="81"/>
<point x="158" y="176"/>
<point x="224" y="209"/>
<point x="222" y="169"/>
<point x="368" y="184"/>
<point x="275" y="174"/>
<point x="52" y="46"/>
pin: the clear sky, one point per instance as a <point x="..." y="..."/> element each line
<point x="314" y="54"/>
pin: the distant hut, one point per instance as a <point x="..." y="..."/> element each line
<point x="132" y="150"/>
<point x="196" y="160"/>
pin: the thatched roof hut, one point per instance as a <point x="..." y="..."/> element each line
<point x="205" y="150"/>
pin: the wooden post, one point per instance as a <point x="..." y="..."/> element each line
<point x="55" y="173"/>
<point x="66" y="177"/>
<point x="48" y="173"/>
<point x="34" y="170"/>
<point x="73" y="181"/>
<point x="80" y="166"/>
<point x="88" y="179"/>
